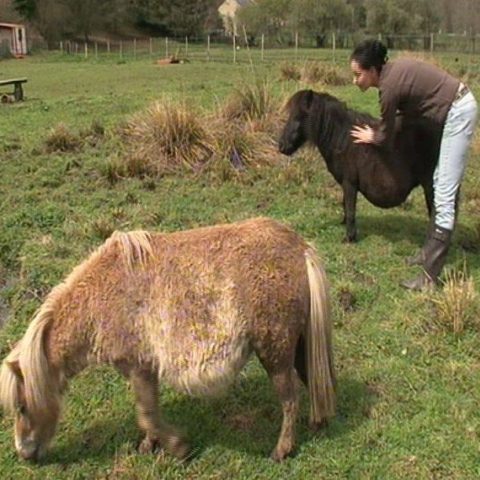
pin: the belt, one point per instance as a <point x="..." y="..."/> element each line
<point x="461" y="92"/>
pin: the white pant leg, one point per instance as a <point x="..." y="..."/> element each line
<point x="457" y="134"/>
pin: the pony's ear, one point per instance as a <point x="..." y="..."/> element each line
<point x="15" y="368"/>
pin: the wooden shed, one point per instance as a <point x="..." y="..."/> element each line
<point x="13" y="35"/>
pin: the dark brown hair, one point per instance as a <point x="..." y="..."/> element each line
<point x="370" y="53"/>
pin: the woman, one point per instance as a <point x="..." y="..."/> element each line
<point x="415" y="89"/>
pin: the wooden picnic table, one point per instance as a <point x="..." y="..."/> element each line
<point x="17" y="83"/>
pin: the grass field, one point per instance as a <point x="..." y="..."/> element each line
<point x="408" y="386"/>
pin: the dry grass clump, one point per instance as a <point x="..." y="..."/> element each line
<point x="325" y="73"/>
<point x="246" y="127"/>
<point x="456" y="303"/>
<point x="290" y="71"/>
<point x="315" y="72"/>
<point x="172" y="137"/>
<point x="62" y="139"/>
<point x="166" y="138"/>
<point x="245" y="145"/>
<point x="251" y="101"/>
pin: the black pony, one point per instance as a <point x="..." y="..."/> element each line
<point x="385" y="176"/>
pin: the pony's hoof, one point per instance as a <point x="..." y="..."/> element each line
<point x="178" y="448"/>
<point x="149" y="445"/>
<point x="317" y="426"/>
<point x="350" y="238"/>
<point x="280" y="454"/>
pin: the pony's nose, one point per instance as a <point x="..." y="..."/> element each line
<point x="29" y="452"/>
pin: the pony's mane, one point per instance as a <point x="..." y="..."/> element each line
<point x="331" y="121"/>
<point x="42" y="387"/>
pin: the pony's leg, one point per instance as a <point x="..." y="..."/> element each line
<point x="157" y="432"/>
<point x="301" y="361"/>
<point x="428" y="194"/>
<point x="277" y="357"/>
<point x="349" y="206"/>
<point x="285" y="385"/>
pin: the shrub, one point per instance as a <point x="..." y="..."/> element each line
<point x="62" y="139"/>
<point x="166" y="138"/>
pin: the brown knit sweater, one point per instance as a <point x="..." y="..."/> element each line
<point x="415" y="89"/>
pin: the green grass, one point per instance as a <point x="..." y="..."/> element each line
<point x="408" y="390"/>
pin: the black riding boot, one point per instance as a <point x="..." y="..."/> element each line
<point x="420" y="256"/>
<point x="435" y="253"/>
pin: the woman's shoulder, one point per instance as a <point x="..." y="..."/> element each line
<point x="406" y="63"/>
<point x="415" y="65"/>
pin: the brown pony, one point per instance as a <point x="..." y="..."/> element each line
<point x="187" y="309"/>
<point x="384" y="176"/>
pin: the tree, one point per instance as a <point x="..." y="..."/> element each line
<point x="316" y="17"/>
<point x="26" y="8"/>
<point x="177" y="17"/>
<point x="401" y="16"/>
<point x="267" y="17"/>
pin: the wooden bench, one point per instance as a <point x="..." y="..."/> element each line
<point x="17" y="83"/>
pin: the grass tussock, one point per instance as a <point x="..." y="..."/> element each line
<point x="62" y="139"/>
<point x="166" y="138"/>
<point x="324" y="73"/>
<point x="245" y="145"/>
<point x="251" y="101"/>
<point x="171" y="137"/>
<point x="456" y="303"/>
<point x="315" y="73"/>
<point x="102" y="228"/>
<point x="290" y="71"/>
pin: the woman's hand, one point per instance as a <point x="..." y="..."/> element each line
<point x="364" y="134"/>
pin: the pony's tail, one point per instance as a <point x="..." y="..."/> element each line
<point x="321" y="375"/>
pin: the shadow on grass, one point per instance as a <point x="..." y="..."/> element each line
<point x="393" y="227"/>
<point x="246" y="420"/>
<point x="397" y="228"/>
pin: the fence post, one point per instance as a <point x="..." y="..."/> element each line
<point x="186" y="46"/>
<point x="263" y="46"/>
<point x="96" y="50"/>
<point x="134" y="48"/>
<point x="108" y="46"/>
<point x="121" y="49"/>
<point x="61" y="46"/>
<point x="234" y="49"/>
<point x="86" y="49"/>
<point x="334" y="46"/>
<point x="166" y="47"/>
<point x="296" y="45"/>
<point x="151" y="46"/>
<point x="431" y="43"/>
<point x="208" y="48"/>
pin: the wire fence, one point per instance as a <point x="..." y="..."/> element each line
<point x="263" y="48"/>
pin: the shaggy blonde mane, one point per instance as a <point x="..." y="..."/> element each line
<point x="27" y="363"/>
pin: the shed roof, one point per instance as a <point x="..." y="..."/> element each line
<point x="11" y="25"/>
